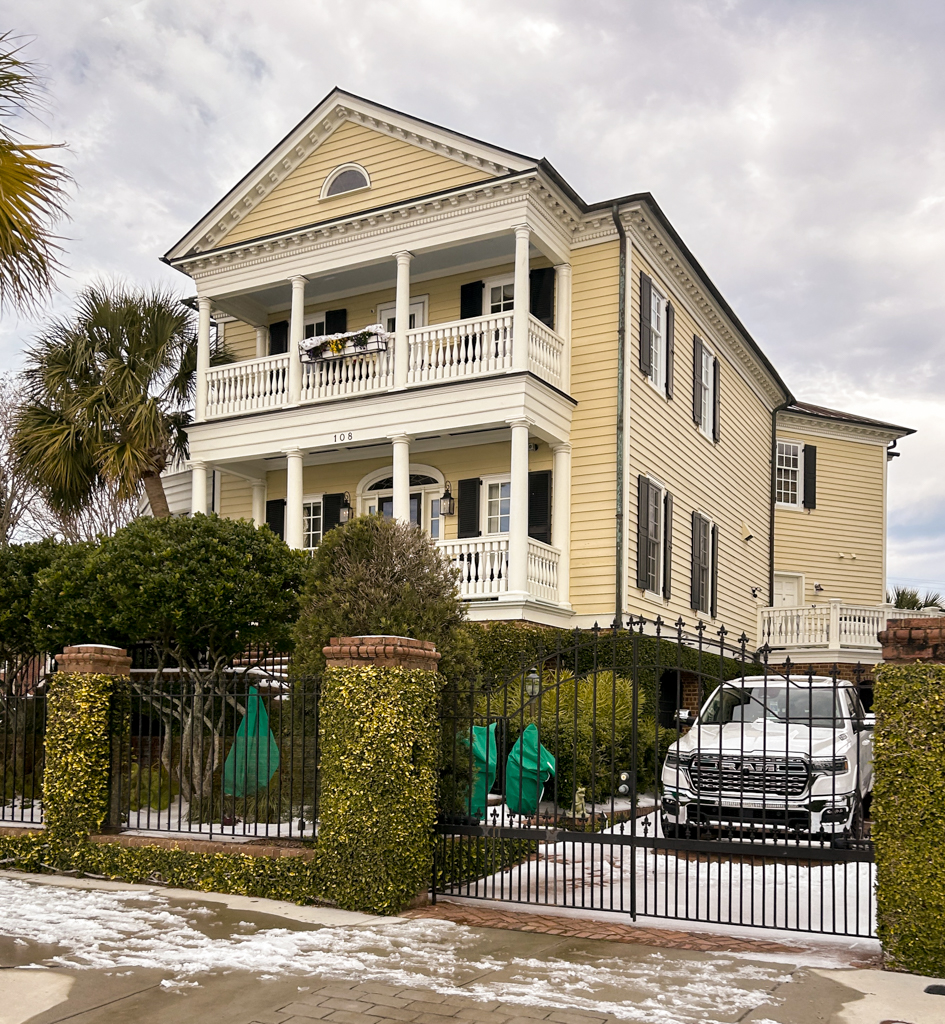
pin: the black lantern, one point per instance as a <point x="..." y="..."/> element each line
<point x="532" y="683"/>
<point x="447" y="501"/>
<point x="346" y="511"/>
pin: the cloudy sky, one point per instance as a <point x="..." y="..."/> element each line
<point x="797" y="145"/>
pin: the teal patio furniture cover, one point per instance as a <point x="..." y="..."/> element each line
<point x="254" y="756"/>
<point x="527" y="770"/>
<point x="485" y="761"/>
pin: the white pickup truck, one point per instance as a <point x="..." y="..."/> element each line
<point x="771" y="755"/>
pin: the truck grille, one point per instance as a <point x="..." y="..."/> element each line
<point x="766" y="776"/>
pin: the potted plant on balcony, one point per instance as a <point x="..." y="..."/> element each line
<point x="349" y="343"/>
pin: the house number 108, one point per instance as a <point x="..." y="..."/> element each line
<point x="345" y="435"/>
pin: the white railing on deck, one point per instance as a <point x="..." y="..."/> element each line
<point x="463" y="348"/>
<point x="545" y="351"/>
<point x="543" y="570"/>
<point x="832" y="626"/>
<point x="353" y="375"/>
<point x="483" y="564"/>
<point x="245" y="386"/>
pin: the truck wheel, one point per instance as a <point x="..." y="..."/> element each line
<point x="857" y="826"/>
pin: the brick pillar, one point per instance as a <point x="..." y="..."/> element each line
<point x="906" y="641"/>
<point x="104" y="660"/>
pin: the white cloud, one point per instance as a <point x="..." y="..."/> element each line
<point x="798" y="148"/>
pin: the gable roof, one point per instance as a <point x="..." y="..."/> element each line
<point x="334" y="110"/>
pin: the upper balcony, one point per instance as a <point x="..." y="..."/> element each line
<point x="453" y="351"/>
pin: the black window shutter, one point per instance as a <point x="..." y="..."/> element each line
<point x="470" y="300"/>
<point x="668" y="545"/>
<point x="331" y="511"/>
<point x="716" y="399"/>
<point x="810" y="476"/>
<point x="670" y="347"/>
<point x="467" y="507"/>
<point x="539" y="505"/>
<point x="275" y="516"/>
<point x="697" y="380"/>
<point x="336" y="321"/>
<point x="646" y="334"/>
<point x="279" y="337"/>
<point x="695" y="596"/>
<point x="643" y="531"/>
<point x="541" y="295"/>
<point x="714" y="595"/>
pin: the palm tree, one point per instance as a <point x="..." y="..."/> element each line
<point x="109" y="396"/>
<point x="909" y="597"/>
<point x="32" y="190"/>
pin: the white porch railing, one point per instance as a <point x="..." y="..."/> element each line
<point x="543" y="570"/>
<point x="247" y="386"/>
<point x="545" y="351"/>
<point x="463" y="348"/>
<point x="353" y="375"/>
<point x="832" y="626"/>
<point x="452" y="351"/>
<point x="483" y="563"/>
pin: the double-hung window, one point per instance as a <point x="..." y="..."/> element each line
<point x="312" y="524"/>
<point x="657" y="342"/>
<point x="706" y="381"/>
<point x="705" y="565"/>
<point x="654" y="537"/>
<point x="795" y="475"/>
<point x="498" y="499"/>
<point x="500" y="295"/>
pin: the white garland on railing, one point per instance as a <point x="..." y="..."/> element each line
<point x="336" y="343"/>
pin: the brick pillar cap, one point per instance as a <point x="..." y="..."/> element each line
<point x="94" y="659"/>
<point x="384" y="651"/>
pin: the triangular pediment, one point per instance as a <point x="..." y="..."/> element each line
<point x="404" y="157"/>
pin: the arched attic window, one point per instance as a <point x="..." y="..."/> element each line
<point x="346" y="178"/>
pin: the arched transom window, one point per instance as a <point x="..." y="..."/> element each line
<point x="376" y="496"/>
<point x="346" y="178"/>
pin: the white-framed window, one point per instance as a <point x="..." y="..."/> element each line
<point x="499" y="295"/>
<point x="345" y="178"/>
<point x="654" y="537"/>
<point x="657" y="373"/>
<point x="386" y="315"/>
<point x="789" y="474"/>
<point x="314" y="326"/>
<point x="705" y="569"/>
<point x="707" y="386"/>
<point x="376" y="497"/>
<point x="497" y="504"/>
<point x="312" y="522"/>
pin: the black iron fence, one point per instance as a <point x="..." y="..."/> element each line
<point x="661" y="773"/>
<point x="22" y="737"/>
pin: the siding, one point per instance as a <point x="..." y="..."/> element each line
<point x="848" y="520"/>
<point x="236" y="497"/>
<point x="729" y="481"/>
<point x="398" y="171"/>
<point x="240" y="339"/>
<point x="595" y="272"/>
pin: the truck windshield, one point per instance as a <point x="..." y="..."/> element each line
<point x="819" y="708"/>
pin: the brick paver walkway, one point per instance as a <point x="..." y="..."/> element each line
<point x="611" y="931"/>
<point x="376" y="1003"/>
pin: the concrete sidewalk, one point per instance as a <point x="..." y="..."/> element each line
<point x="352" y="969"/>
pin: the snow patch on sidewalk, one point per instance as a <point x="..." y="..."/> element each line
<point x="109" y="930"/>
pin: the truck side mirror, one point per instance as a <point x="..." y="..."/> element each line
<point x="684" y="718"/>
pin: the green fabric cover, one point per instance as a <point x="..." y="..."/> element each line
<point x="254" y="756"/>
<point x="485" y="762"/>
<point x="527" y="770"/>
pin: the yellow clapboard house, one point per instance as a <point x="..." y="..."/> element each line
<point x="556" y="391"/>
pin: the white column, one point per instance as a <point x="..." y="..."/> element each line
<point x="518" y="513"/>
<point x="296" y="324"/>
<point x="293" y="498"/>
<point x="401" y="443"/>
<point x="835" y="603"/>
<point x="402" y="324"/>
<point x="521" y="299"/>
<point x="262" y="342"/>
<point x="563" y="319"/>
<point x="259" y="503"/>
<point x="561" y="517"/>
<point x="198" y="485"/>
<point x="203" y="357"/>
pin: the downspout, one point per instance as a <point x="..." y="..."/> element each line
<point x="774" y="496"/>
<point x="621" y="335"/>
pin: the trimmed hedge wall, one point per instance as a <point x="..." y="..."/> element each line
<point x="378" y="785"/>
<point x="909" y="816"/>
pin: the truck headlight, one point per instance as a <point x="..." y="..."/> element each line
<point x="676" y="760"/>
<point x="831" y="765"/>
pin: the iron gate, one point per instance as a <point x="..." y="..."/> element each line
<point x="659" y="773"/>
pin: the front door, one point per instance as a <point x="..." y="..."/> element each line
<point x="787" y="590"/>
<point x="386" y="508"/>
<point x="386" y="317"/>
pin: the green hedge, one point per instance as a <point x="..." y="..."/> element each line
<point x="378" y="785"/>
<point x="909" y="816"/>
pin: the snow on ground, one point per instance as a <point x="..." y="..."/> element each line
<point x="820" y="897"/>
<point x="119" y="930"/>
